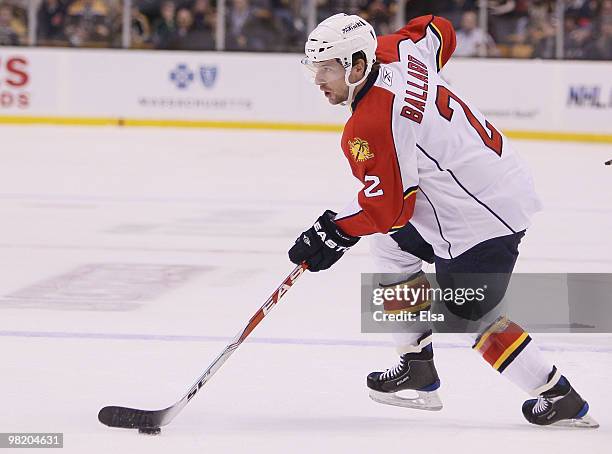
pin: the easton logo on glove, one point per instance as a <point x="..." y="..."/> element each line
<point x="322" y="245"/>
<point x="329" y="243"/>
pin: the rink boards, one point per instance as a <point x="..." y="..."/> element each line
<point x="530" y="99"/>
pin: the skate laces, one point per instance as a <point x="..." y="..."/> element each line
<point x="393" y="371"/>
<point x="541" y="405"/>
<point x="546" y="399"/>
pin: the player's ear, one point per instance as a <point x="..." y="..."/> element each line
<point x="358" y="70"/>
<point x="361" y="67"/>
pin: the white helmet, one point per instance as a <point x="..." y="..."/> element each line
<point x="339" y="37"/>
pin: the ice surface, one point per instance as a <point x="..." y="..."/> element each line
<point x="206" y="217"/>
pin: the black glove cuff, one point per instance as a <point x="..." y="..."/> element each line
<point x="334" y="232"/>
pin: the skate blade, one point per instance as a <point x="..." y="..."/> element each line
<point x="424" y="401"/>
<point x="586" y="422"/>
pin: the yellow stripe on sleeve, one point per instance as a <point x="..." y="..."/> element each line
<point x="439" y="35"/>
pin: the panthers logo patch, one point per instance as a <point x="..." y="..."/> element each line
<point x="360" y="150"/>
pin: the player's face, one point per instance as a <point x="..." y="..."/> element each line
<point x="329" y="77"/>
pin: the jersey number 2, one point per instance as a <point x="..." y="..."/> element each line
<point x="493" y="141"/>
<point x="369" y="191"/>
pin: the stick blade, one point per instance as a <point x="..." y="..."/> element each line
<point x="131" y="418"/>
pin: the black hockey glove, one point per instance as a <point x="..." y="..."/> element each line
<point x="322" y="245"/>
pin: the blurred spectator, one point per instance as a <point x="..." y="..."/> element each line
<point x="600" y="48"/>
<point x="576" y="36"/>
<point x="253" y="27"/>
<point x="114" y="20"/>
<point x="416" y="8"/>
<point x="583" y="10"/>
<point x="504" y="18"/>
<point x="187" y="37"/>
<point x="541" y="32"/>
<point x="19" y="17"/>
<point x="380" y="15"/>
<point x="140" y="30"/>
<point x="326" y="8"/>
<point x="139" y="25"/>
<point x="204" y="15"/>
<point x="262" y="32"/>
<point x="517" y="28"/>
<point x="473" y="41"/>
<point x="290" y="16"/>
<point x="180" y="37"/>
<point x="21" y="5"/>
<point x="51" y="20"/>
<point x="449" y="9"/>
<point x="20" y="13"/>
<point x="453" y="9"/>
<point x="149" y="8"/>
<point x="88" y="22"/>
<point x="8" y="32"/>
<point x="240" y="13"/>
<point x="165" y="26"/>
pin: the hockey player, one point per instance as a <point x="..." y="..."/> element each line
<point x="440" y="184"/>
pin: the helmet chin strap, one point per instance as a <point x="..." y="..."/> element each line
<point x="353" y="85"/>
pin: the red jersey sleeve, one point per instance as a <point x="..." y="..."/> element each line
<point x="385" y="202"/>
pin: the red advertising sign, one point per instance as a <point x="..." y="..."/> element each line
<point x="14" y="81"/>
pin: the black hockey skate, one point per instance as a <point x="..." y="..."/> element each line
<point x="415" y="372"/>
<point x="561" y="406"/>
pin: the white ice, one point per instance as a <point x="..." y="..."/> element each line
<point x="228" y="205"/>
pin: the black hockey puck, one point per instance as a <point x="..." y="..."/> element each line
<point x="608" y="163"/>
<point x="149" y="430"/>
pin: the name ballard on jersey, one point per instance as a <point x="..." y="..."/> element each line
<point x="415" y="100"/>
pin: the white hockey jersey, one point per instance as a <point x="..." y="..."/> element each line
<point x="426" y="155"/>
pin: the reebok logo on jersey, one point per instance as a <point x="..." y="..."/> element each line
<point x="387" y="77"/>
<point x="360" y="150"/>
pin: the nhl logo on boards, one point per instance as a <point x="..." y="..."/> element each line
<point x="360" y="150"/>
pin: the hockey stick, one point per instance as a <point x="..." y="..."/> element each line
<point x="151" y="420"/>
